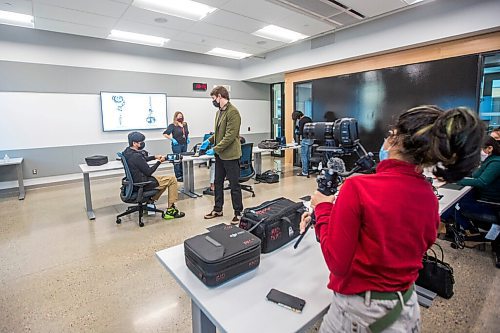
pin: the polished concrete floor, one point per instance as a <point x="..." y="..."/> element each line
<point x="60" y="272"/>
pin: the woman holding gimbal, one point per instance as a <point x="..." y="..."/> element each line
<point x="374" y="233"/>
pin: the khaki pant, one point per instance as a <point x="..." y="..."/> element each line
<point x="352" y="313"/>
<point x="165" y="182"/>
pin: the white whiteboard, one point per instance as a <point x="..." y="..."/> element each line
<point x="36" y="120"/>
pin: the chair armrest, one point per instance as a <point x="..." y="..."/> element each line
<point x="143" y="183"/>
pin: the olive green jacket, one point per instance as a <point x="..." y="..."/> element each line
<point x="226" y="136"/>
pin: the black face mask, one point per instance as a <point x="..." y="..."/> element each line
<point x="180" y="120"/>
<point x="142" y="145"/>
<point x="215" y="103"/>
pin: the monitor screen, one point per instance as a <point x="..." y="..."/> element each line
<point x="133" y="111"/>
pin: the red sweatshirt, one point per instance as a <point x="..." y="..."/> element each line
<point x="376" y="233"/>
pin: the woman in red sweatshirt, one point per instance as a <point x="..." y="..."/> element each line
<point x="374" y="234"/>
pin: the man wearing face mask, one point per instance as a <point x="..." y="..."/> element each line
<point x="227" y="151"/>
<point x="137" y="159"/>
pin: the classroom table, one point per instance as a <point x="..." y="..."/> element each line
<point x="18" y="162"/>
<point x="112" y="165"/>
<point x="240" y="304"/>
<point x="257" y="155"/>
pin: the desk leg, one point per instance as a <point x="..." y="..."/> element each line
<point x="257" y="157"/>
<point x="188" y="170"/>
<point x="20" y="181"/>
<point x="201" y="323"/>
<point x="88" y="196"/>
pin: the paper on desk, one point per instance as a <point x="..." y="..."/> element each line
<point x="493" y="232"/>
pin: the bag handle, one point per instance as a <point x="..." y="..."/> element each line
<point x="257" y="224"/>
<point x="441" y="249"/>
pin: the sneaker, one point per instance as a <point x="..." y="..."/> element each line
<point x="173" y="213"/>
<point x="180" y="180"/>
<point x="208" y="191"/>
<point x="213" y="214"/>
<point x="235" y="220"/>
<point x="300" y="174"/>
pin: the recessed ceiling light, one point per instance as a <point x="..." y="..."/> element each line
<point x="20" y="20"/>
<point x="280" y="34"/>
<point x="132" y="37"/>
<point x="228" y="53"/>
<point x="161" y="20"/>
<point x="186" y="9"/>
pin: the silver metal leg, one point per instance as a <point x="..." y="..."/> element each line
<point x="257" y="158"/>
<point x="88" y="196"/>
<point x="188" y="170"/>
<point x="201" y="323"/>
<point x="20" y="181"/>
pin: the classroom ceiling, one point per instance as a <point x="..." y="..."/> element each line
<point x="230" y="26"/>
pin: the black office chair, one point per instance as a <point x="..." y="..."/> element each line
<point x="134" y="193"/>
<point x="316" y="158"/>
<point x="247" y="171"/>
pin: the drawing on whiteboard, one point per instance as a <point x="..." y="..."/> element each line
<point x="120" y="102"/>
<point x="150" y="119"/>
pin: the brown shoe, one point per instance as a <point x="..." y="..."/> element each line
<point x="235" y="220"/>
<point x="213" y="214"/>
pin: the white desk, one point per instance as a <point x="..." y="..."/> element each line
<point x="450" y="197"/>
<point x="240" y="305"/>
<point x="112" y="165"/>
<point x="18" y="162"/>
<point x="257" y="155"/>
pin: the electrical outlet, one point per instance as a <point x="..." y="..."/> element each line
<point x="35" y="171"/>
<point x="249" y="128"/>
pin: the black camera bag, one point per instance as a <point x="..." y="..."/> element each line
<point x="275" y="222"/>
<point x="221" y="254"/>
<point x="269" y="144"/>
<point x="268" y="176"/>
<point x="96" y="160"/>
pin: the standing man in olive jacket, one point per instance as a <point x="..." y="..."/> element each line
<point x="227" y="151"/>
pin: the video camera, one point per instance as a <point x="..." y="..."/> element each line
<point x="336" y="139"/>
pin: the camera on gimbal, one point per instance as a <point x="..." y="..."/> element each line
<point x="337" y="139"/>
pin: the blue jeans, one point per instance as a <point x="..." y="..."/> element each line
<point x="305" y="154"/>
<point x="177" y="149"/>
<point x="468" y="204"/>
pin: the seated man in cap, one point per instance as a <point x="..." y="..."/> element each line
<point x="137" y="159"/>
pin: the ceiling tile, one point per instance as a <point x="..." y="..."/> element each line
<point x="145" y="29"/>
<point x="17" y="6"/>
<point x="72" y="16"/>
<point x="234" y="21"/>
<point x="70" y="28"/>
<point x="100" y="7"/>
<point x="373" y="8"/>
<point x="316" y="6"/>
<point x="148" y="17"/>
<point x="214" y="3"/>
<point x="259" y="9"/>
<point x="304" y="24"/>
<point x="184" y="46"/>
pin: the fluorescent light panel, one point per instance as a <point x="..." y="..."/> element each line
<point x="280" y="34"/>
<point x="20" y="20"/>
<point x="132" y="37"/>
<point x="186" y="9"/>
<point x="227" y="53"/>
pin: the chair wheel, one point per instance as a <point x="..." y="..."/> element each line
<point x="163" y="215"/>
<point x="118" y="221"/>
<point x="141" y="224"/>
<point x="253" y="195"/>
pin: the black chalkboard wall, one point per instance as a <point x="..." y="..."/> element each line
<point x="375" y="98"/>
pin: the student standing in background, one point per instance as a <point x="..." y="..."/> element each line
<point x="178" y="133"/>
<point x="305" y="144"/>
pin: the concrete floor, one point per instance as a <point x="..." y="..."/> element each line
<point x="60" y="272"/>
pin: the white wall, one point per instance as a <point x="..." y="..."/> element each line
<point x="38" y="120"/>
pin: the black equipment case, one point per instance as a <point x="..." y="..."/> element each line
<point x="96" y="160"/>
<point x="221" y="254"/>
<point x="268" y="176"/>
<point x="275" y="222"/>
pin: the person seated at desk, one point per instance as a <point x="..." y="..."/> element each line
<point x="137" y="159"/>
<point x="374" y="234"/>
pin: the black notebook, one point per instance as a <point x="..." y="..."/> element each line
<point x="453" y="186"/>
